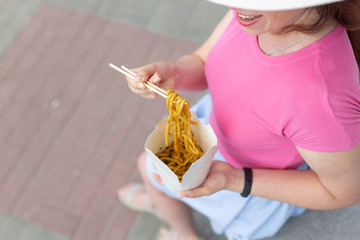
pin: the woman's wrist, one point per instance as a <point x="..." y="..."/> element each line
<point x="188" y="73"/>
<point x="235" y="180"/>
<point x="176" y="74"/>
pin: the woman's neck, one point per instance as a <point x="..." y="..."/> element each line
<point x="284" y="43"/>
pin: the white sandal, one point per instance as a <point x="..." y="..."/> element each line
<point x="171" y="234"/>
<point x="128" y="200"/>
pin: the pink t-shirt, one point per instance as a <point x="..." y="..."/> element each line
<point x="264" y="106"/>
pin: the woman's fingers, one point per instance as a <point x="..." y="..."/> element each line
<point x="157" y="178"/>
<point x="155" y="79"/>
<point x="138" y="87"/>
<point x="143" y="74"/>
<point x="158" y="73"/>
<point x="144" y="92"/>
<point x="197" y="192"/>
<point x="161" y="69"/>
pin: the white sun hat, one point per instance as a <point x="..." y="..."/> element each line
<point x="272" y="5"/>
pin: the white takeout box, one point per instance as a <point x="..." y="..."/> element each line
<point x="198" y="171"/>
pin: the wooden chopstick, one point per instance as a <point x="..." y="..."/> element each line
<point x="124" y="70"/>
<point x="150" y="83"/>
<point x="128" y="70"/>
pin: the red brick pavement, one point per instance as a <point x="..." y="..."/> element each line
<point x="70" y="130"/>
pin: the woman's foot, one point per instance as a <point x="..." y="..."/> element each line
<point x="135" y="196"/>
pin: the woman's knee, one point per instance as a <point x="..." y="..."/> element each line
<point x="141" y="162"/>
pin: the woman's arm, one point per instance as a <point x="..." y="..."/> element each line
<point x="191" y="67"/>
<point x="333" y="182"/>
<point x="187" y="73"/>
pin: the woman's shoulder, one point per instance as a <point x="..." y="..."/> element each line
<point x="336" y="48"/>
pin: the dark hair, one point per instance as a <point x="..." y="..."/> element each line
<point x="347" y="13"/>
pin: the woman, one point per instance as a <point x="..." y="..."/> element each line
<point x="283" y="78"/>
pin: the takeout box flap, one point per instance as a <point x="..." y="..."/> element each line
<point x="168" y="177"/>
<point x="196" y="174"/>
<point x="198" y="170"/>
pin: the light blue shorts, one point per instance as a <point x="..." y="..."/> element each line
<point x="229" y="213"/>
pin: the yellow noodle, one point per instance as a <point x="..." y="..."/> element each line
<point x="183" y="151"/>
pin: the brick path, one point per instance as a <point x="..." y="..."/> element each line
<point x="70" y="130"/>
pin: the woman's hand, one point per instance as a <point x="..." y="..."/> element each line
<point x="192" y="79"/>
<point x="221" y="176"/>
<point x="158" y="73"/>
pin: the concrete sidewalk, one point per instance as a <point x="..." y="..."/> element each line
<point x="70" y="130"/>
<point x="14" y="228"/>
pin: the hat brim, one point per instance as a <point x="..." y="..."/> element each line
<point x="272" y="5"/>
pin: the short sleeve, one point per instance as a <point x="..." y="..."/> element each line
<point x="326" y="116"/>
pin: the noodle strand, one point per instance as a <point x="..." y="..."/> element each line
<point x="183" y="151"/>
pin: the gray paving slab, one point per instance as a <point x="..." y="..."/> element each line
<point x="15" y="15"/>
<point x="339" y="224"/>
<point x="12" y="228"/>
<point x="147" y="227"/>
<point x="183" y="19"/>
